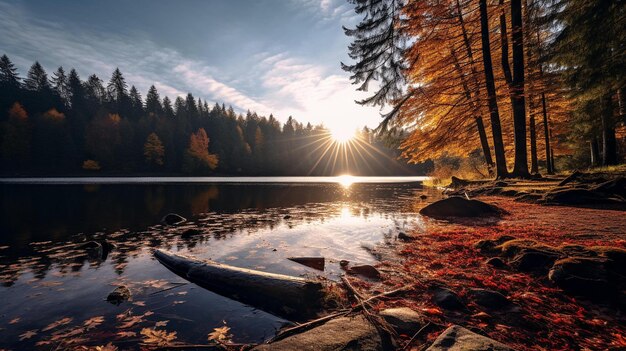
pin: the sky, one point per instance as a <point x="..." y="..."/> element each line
<point x="269" y="56"/>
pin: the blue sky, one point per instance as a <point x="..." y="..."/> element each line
<point x="271" y="56"/>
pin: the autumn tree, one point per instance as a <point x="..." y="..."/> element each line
<point x="16" y="138"/>
<point x="198" y="158"/>
<point x="153" y="150"/>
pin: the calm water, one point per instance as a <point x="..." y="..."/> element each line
<point x="248" y="222"/>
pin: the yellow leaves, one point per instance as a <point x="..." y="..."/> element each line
<point x="126" y="334"/>
<point x="57" y="324"/>
<point x="27" y="335"/>
<point x="161" y="324"/>
<point x="17" y="112"/>
<point x="159" y="338"/>
<point x="91" y="165"/>
<point x="114" y="118"/>
<point x="93" y="322"/>
<point x="54" y="115"/>
<point x="107" y="347"/>
<point x="221" y="334"/>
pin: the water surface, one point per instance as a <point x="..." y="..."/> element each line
<point x="256" y="223"/>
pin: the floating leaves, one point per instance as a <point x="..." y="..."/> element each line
<point x="220" y="334"/>
<point x="93" y="322"/>
<point x="57" y="324"/>
<point x="158" y="338"/>
<point x="27" y="335"/>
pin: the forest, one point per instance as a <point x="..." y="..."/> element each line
<point x="63" y="125"/>
<point x="529" y="85"/>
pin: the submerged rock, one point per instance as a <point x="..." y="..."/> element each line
<point x="119" y="295"/>
<point x="345" y="333"/>
<point x="490" y="299"/>
<point x="404" y="237"/>
<point x="173" y="219"/>
<point x="457" y="206"/>
<point x="365" y="270"/>
<point x="403" y="319"/>
<point x="457" y="338"/>
<point x="188" y="233"/>
<point x="534" y="261"/>
<point x="313" y="262"/>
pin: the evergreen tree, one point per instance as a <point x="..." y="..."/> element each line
<point x="94" y="89"/>
<point x="60" y="84"/>
<point x="37" y="79"/>
<point x="153" y="101"/>
<point x="168" y="111"/>
<point x="8" y="73"/>
<point x="136" y="103"/>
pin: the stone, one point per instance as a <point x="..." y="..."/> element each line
<point x="119" y="295"/>
<point x="365" y="270"/>
<point x="313" y="262"/>
<point x="489" y="299"/>
<point x="287" y="217"/>
<point x="173" y="219"/>
<point x="404" y="237"/>
<point x="457" y="206"/>
<point x="574" y="196"/>
<point x="457" y="338"/>
<point x="447" y="299"/>
<point x="514" y="247"/>
<point x="423" y="197"/>
<point x="491" y="245"/>
<point x="496" y="262"/>
<point x="534" y="261"/>
<point x="585" y="276"/>
<point x="344" y="263"/>
<point x="188" y="233"/>
<point x="345" y="333"/>
<point x="403" y="319"/>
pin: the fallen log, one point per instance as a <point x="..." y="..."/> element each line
<point x="289" y="297"/>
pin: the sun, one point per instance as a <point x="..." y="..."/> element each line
<point x="342" y="135"/>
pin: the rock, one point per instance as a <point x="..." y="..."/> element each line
<point x="287" y="217"/>
<point x="313" y="262"/>
<point x="108" y="246"/>
<point x="403" y="319"/>
<point x="489" y="299"/>
<point x="616" y="256"/>
<point x="119" y="295"/>
<point x="447" y="299"/>
<point x="577" y="251"/>
<point x="534" y="261"/>
<point x="496" y="262"/>
<point x="456" y="182"/>
<point x="575" y="196"/>
<point x="173" y="219"/>
<point x="457" y="206"/>
<point x="345" y="333"/>
<point x="344" y="263"/>
<point x="586" y="276"/>
<point x="365" y="270"/>
<point x="457" y="338"/>
<point x="404" y="237"/>
<point x="188" y="233"/>
<point x="423" y="197"/>
<point x="514" y="247"/>
<point x="490" y="245"/>
<point x="615" y="186"/>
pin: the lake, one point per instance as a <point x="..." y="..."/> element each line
<point x="54" y="292"/>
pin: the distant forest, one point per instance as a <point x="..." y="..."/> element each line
<point x="63" y="125"/>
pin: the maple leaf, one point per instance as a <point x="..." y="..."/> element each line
<point x="15" y="320"/>
<point x="220" y="334"/>
<point x="93" y="322"/>
<point x="161" y="324"/>
<point x="29" y="334"/>
<point x="131" y="321"/>
<point x="107" y="347"/>
<point x="58" y="323"/>
<point x="157" y="337"/>
<point x="126" y="334"/>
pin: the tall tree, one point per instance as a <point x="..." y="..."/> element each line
<point x="37" y="79"/>
<point x="153" y="101"/>
<point x="60" y="84"/>
<point x="8" y="73"/>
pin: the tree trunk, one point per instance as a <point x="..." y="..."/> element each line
<point x="595" y="152"/>
<point x="609" y="142"/>
<point x="286" y="296"/>
<point x="534" y="167"/>
<point x="520" y="168"/>
<point x="494" y="114"/>
<point x="546" y="133"/>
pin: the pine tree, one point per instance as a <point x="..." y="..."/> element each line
<point x="168" y="111"/>
<point x="37" y="79"/>
<point x="153" y="101"/>
<point x="60" y="84"/>
<point x="8" y="73"/>
<point x="136" y="103"/>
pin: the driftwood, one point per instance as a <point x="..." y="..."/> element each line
<point x="290" y="297"/>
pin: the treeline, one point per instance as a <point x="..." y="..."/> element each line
<point x="65" y="125"/>
<point x="527" y="83"/>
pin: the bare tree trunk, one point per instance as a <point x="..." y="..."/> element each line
<point x="494" y="114"/>
<point x="546" y="133"/>
<point x="595" y="152"/>
<point x="520" y="168"/>
<point x="534" y="166"/>
<point x="609" y="142"/>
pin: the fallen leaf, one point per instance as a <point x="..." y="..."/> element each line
<point x="29" y="334"/>
<point x="58" y="323"/>
<point x="15" y="320"/>
<point x="93" y="322"/>
<point x="220" y="334"/>
<point x="161" y="324"/>
<point x="126" y="334"/>
<point x="157" y="337"/>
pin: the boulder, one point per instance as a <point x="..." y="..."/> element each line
<point x="585" y="276"/>
<point x="491" y="245"/>
<point x="576" y="196"/>
<point x="490" y="299"/>
<point x="173" y="219"/>
<point x="514" y="247"/>
<point x="119" y="295"/>
<point x="534" y="261"/>
<point x="403" y="319"/>
<point x="496" y="262"/>
<point x="447" y="299"/>
<point x="191" y="232"/>
<point x="457" y="206"/>
<point x="404" y="237"/>
<point x="457" y="338"/>
<point x="345" y="333"/>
